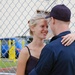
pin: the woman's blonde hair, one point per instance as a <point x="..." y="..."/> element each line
<point x="33" y="21"/>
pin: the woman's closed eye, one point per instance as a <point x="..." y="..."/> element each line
<point x="44" y="26"/>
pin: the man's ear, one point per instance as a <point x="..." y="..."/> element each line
<point x="53" y="20"/>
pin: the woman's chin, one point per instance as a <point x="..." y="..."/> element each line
<point x="44" y="37"/>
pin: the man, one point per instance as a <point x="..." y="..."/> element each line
<point x="55" y="58"/>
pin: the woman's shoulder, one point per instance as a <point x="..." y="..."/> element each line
<point x="24" y="52"/>
<point x="23" y="56"/>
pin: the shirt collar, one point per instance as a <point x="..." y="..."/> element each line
<point x="60" y="35"/>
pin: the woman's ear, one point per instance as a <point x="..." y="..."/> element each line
<point x="32" y="28"/>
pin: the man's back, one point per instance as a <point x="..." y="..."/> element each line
<point x="56" y="59"/>
<point x="64" y="58"/>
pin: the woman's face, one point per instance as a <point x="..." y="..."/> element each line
<point x="41" y="29"/>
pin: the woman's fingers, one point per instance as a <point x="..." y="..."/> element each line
<point x="68" y="39"/>
<point x="68" y="42"/>
<point x="65" y="39"/>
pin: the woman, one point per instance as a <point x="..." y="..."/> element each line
<point x="29" y="55"/>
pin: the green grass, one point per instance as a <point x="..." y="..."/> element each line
<point x="4" y="63"/>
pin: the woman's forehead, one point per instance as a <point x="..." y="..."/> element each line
<point x="42" y="21"/>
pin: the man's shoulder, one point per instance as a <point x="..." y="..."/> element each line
<point x="55" y="42"/>
<point x="54" y="45"/>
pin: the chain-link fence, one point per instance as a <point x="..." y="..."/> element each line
<point x="14" y="16"/>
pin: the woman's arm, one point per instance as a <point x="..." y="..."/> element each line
<point x="22" y="60"/>
<point x="68" y="39"/>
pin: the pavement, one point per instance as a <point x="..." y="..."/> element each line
<point x="1" y="73"/>
<point x="8" y="71"/>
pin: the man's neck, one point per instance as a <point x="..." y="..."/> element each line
<point x="62" y="29"/>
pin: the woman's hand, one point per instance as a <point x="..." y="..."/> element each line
<point x="68" y="39"/>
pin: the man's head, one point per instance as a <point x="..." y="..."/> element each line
<point x="60" y="14"/>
